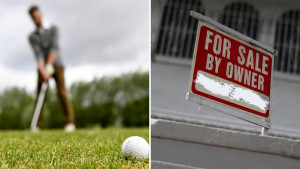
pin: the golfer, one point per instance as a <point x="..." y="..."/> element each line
<point x="44" y="42"/>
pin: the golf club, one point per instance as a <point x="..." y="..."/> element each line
<point x="38" y="106"/>
<point x="50" y="70"/>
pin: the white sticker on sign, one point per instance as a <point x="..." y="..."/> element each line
<point x="229" y="90"/>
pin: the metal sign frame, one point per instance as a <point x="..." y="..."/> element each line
<point x="252" y="118"/>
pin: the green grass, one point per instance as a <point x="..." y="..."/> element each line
<point x="57" y="149"/>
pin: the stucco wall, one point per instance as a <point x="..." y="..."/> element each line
<point x="208" y="147"/>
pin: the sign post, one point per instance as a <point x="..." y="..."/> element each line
<point x="231" y="72"/>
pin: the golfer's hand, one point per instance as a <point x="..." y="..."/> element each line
<point x="46" y="76"/>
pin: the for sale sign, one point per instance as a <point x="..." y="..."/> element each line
<point x="231" y="71"/>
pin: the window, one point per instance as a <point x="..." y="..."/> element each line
<point x="178" y="29"/>
<point x="287" y="43"/>
<point x="241" y="17"/>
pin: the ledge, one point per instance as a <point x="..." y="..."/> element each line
<point x="165" y="165"/>
<point x="200" y="134"/>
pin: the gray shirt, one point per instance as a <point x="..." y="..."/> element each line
<point x="43" y="41"/>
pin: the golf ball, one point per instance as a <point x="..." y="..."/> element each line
<point x="135" y="146"/>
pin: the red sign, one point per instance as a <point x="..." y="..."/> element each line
<point x="233" y="72"/>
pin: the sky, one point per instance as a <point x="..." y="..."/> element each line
<point x="97" y="38"/>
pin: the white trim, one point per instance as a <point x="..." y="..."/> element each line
<point x="187" y="62"/>
<point x="173" y="60"/>
<point x="231" y="31"/>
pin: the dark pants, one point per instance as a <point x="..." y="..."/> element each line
<point x="62" y="94"/>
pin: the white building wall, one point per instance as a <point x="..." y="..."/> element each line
<point x="169" y="82"/>
<point x="170" y="78"/>
<point x="269" y="12"/>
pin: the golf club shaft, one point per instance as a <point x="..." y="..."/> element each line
<point x="38" y="106"/>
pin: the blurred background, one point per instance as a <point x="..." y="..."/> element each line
<point x="105" y="50"/>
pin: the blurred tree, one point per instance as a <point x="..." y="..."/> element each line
<point x="103" y="101"/>
<point x="122" y="100"/>
<point x="53" y="113"/>
<point x="136" y="113"/>
<point x="16" y="107"/>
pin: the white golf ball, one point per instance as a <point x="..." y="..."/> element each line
<point x="135" y="146"/>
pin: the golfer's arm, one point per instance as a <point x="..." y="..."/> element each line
<point x="54" y="47"/>
<point x="51" y="58"/>
<point x="41" y="64"/>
